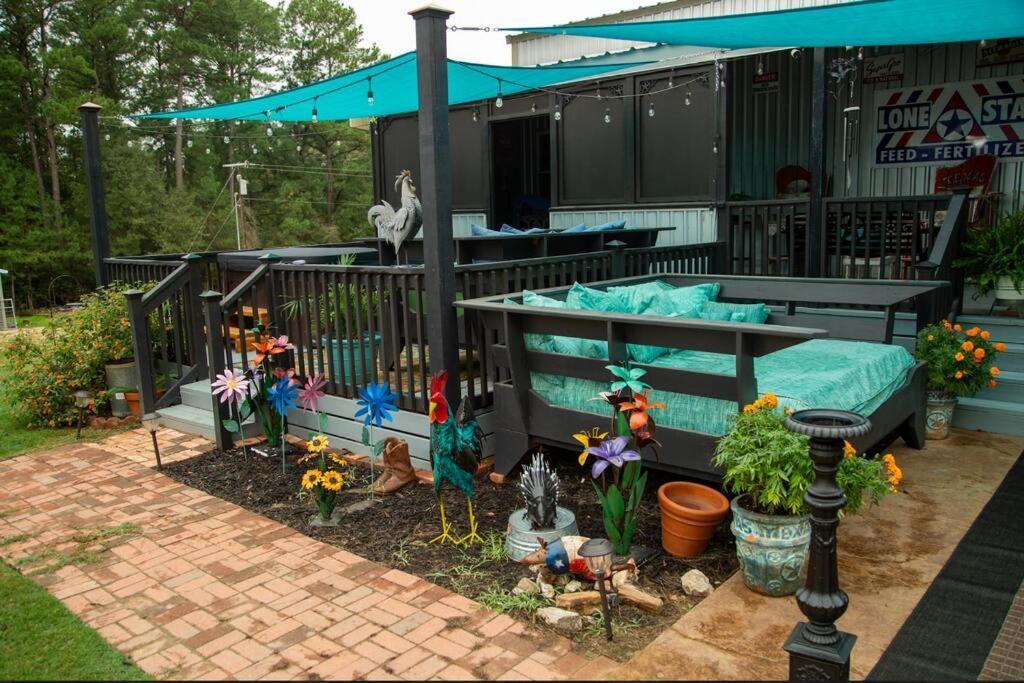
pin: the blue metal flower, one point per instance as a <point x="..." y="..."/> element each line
<point x="282" y="396"/>
<point x="611" y="452"/>
<point x="376" y="402"/>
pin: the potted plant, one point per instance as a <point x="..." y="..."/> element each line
<point x="994" y="257"/>
<point x="769" y="468"/>
<point x="960" y="363"/>
<point x="354" y="305"/>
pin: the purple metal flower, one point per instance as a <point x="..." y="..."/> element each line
<point x="231" y="386"/>
<point x="312" y="392"/>
<point x="611" y="452"/>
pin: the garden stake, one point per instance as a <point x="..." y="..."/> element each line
<point x="284" y="444"/>
<point x="156" y="450"/>
<point x="817" y="650"/>
<point x="238" y="418"/>
<point x="604" y="607"/>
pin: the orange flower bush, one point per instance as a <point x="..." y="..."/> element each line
<point x="960" y="362"/>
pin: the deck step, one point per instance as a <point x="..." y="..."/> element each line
<point x="192" y="420"/>
<point x="1004" y="329"/>
<point x="998" y="417"/>
<point x="1009" y="388"/>
<point x="1011" y="360"/>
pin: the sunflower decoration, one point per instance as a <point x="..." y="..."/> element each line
<point x="317" y="444"/>
<point x="311" y="479"/>
<point x="332" y="480"/>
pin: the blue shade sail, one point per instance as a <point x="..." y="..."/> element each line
<point x="868" y="22"/>
<point x="394" y="87"/>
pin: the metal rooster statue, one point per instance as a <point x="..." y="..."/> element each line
<point x="456" y="445"/>
<point x="539" y="487"/>
<point x="397" y="226"/>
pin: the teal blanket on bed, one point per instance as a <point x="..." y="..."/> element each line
<point x="819" y="373"/>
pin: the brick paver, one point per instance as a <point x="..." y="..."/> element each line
<point x="1006" y="659"/>
<point x="208" y="590"/>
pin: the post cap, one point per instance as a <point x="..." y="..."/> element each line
<point x="270" y="257"/>
<point x="616" y="244"/>
<point x="210" y="294"/>
<point x="89" y="106"/>
<point x="431" y="10"/>
<point x="191" y="256"/>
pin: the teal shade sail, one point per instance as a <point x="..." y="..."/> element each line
<point x="867" y="22"/>
<point x="393" y="85"/>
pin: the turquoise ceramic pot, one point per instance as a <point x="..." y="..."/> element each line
<point x="772" y="549"/>
<point x="349" y="352"/>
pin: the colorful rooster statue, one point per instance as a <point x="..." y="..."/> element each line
<point x="456" y="445"/>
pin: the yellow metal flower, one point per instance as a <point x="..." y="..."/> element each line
<point x="310" y="479"/>
<point x="331" y="480"/>
<point x="317" y="444"/>
<point x="957" y="328"/>
<point x="337" y="460"/>
<point x="588" y="439"/>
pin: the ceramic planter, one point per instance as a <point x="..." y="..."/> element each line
<point x="1005" y="291"/>
<point x="772" y="549"/>
<point x="357" y="353"/>
<point x="690" y="515"/>
<point x="939" y="414"/>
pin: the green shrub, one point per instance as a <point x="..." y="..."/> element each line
<point x="49" y="368"/>
<point x="992" y="253"/>
<point x="772" y="465"/>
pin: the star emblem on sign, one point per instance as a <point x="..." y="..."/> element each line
<point x="954" y="122"/>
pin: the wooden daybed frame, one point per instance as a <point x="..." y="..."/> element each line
<point x="524" y="419"/>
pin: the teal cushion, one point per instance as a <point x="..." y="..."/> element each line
<point x="588" y="299"/>
<point x="573" y="346"/>
<point x="686" y="302"/>
<point x="638" y="298"/>
<point x="480" y="231"/>
<point x="582" y="227"/>
<point x="747" y="313"/>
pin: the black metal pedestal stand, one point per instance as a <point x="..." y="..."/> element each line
<point x="817" y="650"/>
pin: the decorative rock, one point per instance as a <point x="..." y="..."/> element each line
<point x="645" y="601"/>
<point x="578" y="600"/>
<point x="573" y="586"/>
<point x="318" y="522"/>
<point x="621" y="578"/>
<point x="526" y="587"/>
<point x="561" y="619"/>
<point x="696" y="584"/>
<point x="546" y="590"/>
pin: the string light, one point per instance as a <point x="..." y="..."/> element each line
<point x="607" y="115"/>
<point x="760" y="68"/>
<point x="207" y="150"/>
<point x="860" y="54"/>
<point x="130" y="144"/>
<point x="558" y="112"/>
<point x="650" y="109"/>
<point x="107" y="137"/>
<point x="313" y="115"/>
<point x="714" y="146"/>
<point x="226" y="139"/>
<point x="189" y="143"/>
<point x="686" y="100"/>
<point x="499" y="102"/>
<point x="369" y="93"/>
<point x="476" y="114"/>
<point x="533" y="107"/>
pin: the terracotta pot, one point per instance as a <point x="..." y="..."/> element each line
<point x="690" y="515"/>
<point x="134" y="403"/>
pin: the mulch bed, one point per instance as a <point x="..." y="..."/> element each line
<point x="395" y="532"/>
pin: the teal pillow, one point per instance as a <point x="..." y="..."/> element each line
<point x="747" y="313"/>
<point x="573" y="346"/>
<point x="638" y="298"/>
<point x="686" y="302"/>
<point x="587" y="299"/>
<point x="721" y="315"/>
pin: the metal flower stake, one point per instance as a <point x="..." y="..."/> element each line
<point x="376" y="403"/>
<point x="232" y="387"/>
<point x="282" y="399"/>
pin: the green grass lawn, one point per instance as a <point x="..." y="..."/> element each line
<point x="41" y="640"/>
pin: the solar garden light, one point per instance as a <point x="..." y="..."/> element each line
<point x="597" y="553"/>
<point x="817" y="650"/>
<point x="83" y="399"/>
<point x="149" y="421"/>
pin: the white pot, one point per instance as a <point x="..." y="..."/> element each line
<point x="1006" y="291"/>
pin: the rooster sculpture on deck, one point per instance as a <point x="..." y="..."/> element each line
<point x="397" y="226"/>
<point x="456" y="445"/>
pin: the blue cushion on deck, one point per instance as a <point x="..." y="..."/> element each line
<point x="533" y="231"/>
<point x="582" y="227"/>
<point x="610" y="225"/>
<point x="509" y="230"/>
<point x="480" y="231"/>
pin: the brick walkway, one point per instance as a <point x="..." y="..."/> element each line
<point x="205" y="589"/>
<point x="1006" y="660"/>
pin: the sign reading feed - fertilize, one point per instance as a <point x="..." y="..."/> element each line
<point x="942" y="124"/>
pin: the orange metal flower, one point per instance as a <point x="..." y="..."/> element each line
<point x="638" y="410"/>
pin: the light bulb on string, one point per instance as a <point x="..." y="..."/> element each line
<point x="670" y="82"/>
<point x="760" y="68"/>
<point x="207" y="150"/>
<point x="533" y="108"/>
<point x="189" y="143"/>
<point x="226" y="139"/>
<point x="130" y="143"/>
<point x="714" y="146"/>
<point x="558" y="112"/>
<point x="476" y="114"/>
<point x="107" y="137"/>
<point x="860" y="54"/>
<point x="686" y="100"/>
<point x="313" y="115"/>
<point x="369" y="93"/>
<point x="650" y="109"/>
<point x="607" y="115"/>
<point x="298" y="148"/>
<point x="499" y="102"/>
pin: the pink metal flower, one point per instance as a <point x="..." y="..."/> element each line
<point x="231" y="386"/>
<point x="312" y="392"/>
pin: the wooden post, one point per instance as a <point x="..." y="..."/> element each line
<point x="268" y="260"/>
<point x="217" y="352"/>
<point x="94" y="186"/>
<point x="436" y="183"/>
<point x="816" y="165"/>
<point x="194" y="314"/>
<point x="143" y="350"/>
<point x="618" y="251"/>
<point x="817" y="649"/>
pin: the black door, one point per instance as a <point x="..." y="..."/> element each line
<point x="521" y="172"/>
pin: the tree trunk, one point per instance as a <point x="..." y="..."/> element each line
<point x="37" y="164"/>
<point x="51" y="142"/>
<point x="179" y="160"/>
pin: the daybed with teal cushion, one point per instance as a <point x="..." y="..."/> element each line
<point x="710" y="344"/>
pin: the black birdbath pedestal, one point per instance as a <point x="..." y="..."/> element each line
<point x="817" y="649"/>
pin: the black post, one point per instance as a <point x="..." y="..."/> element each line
<point x="142" y="349"/>
<point x="618" y="250"/>
<point x="816" y="165"/>
<point x="268" y="260"/>
<point x="817" y="650"/>
<point x="216" y="350"/>
<point x="94" y="185"/>
<point x="194" y="314"/>
<point x="435" y="165"/>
